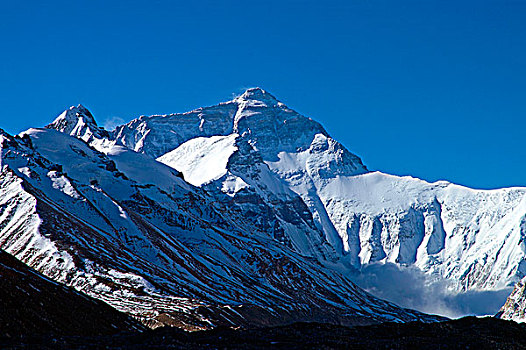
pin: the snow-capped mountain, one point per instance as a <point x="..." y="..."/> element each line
<point x="241" y="213"/>
<point x="128" y="230"/>
<point x="284" y="174"/>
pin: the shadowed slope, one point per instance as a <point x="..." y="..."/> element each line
<point x="33" y="304"/>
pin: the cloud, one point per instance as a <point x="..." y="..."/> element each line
<point x="411" y="288"/>
<point x="112" y="122"/>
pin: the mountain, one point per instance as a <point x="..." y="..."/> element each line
<point x="130" y="231"/>
<point x="33" y="304"/>
<point x="248" y="213"/>
<point x="283" y="173"/>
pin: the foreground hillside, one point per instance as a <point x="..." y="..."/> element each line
<point x="32" y="304"/>
<point x="466" y="333"/>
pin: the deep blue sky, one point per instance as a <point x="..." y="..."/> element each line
<point x="435" y="89"/>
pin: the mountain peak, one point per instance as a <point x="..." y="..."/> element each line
<point x="258" y="94"/>
<point x="82" y="109"/>
<point x="76" y="121"/>
<point x="71" y="116"/>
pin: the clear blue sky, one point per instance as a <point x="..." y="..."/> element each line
<point x="435" y="89"/>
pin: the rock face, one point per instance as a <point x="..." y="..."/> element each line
<point x="33" y="304"/>
<point x="128" y="230"/>
<point x="515" y="306"/>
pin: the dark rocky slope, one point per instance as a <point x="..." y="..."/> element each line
<point x="33" y="304"/>
<point x="465" y="333"/>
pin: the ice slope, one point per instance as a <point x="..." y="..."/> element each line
<point x="130" y="231"/>
<point x="214" y="153"/>
<point x="471" y="238"/>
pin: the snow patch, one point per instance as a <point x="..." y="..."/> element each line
<point x="203" y="159"/>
